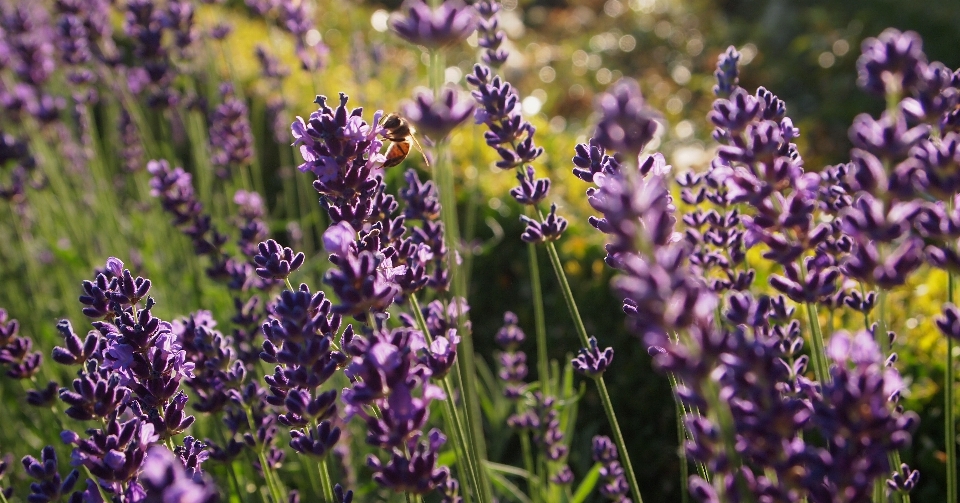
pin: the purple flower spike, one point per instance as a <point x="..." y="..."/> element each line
<point x="49" y="485"/>
<point x="231" y="138"/>
<point x="490" y="35"/>
<point x="451" y="23"/>
<point x="437" y="118"/>
<point x="892" y="62"/>
<point x="164" y="479"/>
<point x="315" y="441"/>
<point x="949" y="321"/>
<point x="510" y="336"/>
<point x="418" y="473"/>
<point x="440" y="355"/>
<point x="550" y="229"/>
<point x="274" y="262"/>
<point x="727" y="73"/>
<point x="904" y="479"/>
<point x="626" y="124"/>
<point x="593" y="361"/>
<point x="531" y="190"/>
<point x="342" y="495"/>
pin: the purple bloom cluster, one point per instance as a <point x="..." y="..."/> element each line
<point x="449" y="24"/>
<point x="15" y="352"/>
<point x="739" y="363"/>
<point x="299" y="335"/>
<point x="391" y="391"/>
<point x="437" y="117"/>
<point x="614" y="485"/>
<point x="364" y="280"/>
<point x="543" y="420"/>
<point x="231" y="139"/>
<point x="19" y="168"/>
<point x="490" y="36"/>
<point x="216" y="368"/>
<point x="438" y="351"/>
<point x="132" y="367"/>
<point x="498" y="107"/>
<point x="174" y="188"/>
<point x="903" y="167"/>
<point x="48" y="485"/>
<point x="165" y="479"/>
<point x="513" y="363"/>
<point x="627" y="124"/>
<point x="343" y="151"/>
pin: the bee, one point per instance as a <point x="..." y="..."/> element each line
<point x="401" y="136"/>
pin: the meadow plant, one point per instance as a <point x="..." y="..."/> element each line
<point x="345" y="365"/>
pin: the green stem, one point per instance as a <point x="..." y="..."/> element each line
<point x="601" y="386"/>
<point x="681" y="441"/>
<point x="325" y="482"/>
<point x="466" y="457"/>
<point x="533" y="482"/>
<point x="268" y="477"/>
<point x="543" y="361"/>
<point x="820" y="367"/>
<point x="448" y="214"/>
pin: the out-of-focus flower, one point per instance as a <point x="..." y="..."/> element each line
<point x="892" y="62"/>
<point x="436" y="118"/>
<point x="626" y="124"/>
<point x="450" y="23"/>
<point x="165" y="480"/>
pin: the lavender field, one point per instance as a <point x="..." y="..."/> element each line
<point x="446" y="251"/>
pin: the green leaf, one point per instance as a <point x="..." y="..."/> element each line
<point x="587" y="484"/>
<point x="508" y="487"/>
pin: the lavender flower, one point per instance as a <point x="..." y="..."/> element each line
<point x="727" y="72"/>
<point x="275" y="262"/>
<point x="97" y="393"/>
<point x="614" y="486"/>
<point x="499" y="108"/>
<point x="626" y="125"/>
<point x="892" y="62"/>
<point x="343" y="151"/>
<point x="513" y="363"/>
<point x="385" y="372"/>
<point x="15" y="350"/>
<point x="231" y="138"/>
<point x="363" y="280"/>
<point x="436" y="118"/>
<point x="114" y="454"/>
<point x="165" y="479"/>
<point x="451" y="23"/>
<point x="550" y="229"/>
<point x="593" y="361"/>
<point x="49" y="485"/>
<point x="840" y="417"/>
<point x="490" y="36"/>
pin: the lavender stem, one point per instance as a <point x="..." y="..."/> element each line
<point x="448" y="214"/>
<point x="325" y="483"/>
<point x="601" y="386"/>
<point x="450" y="415"/>
<point x="543" y="362"/>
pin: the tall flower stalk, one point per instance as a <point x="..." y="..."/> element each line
<point x="434" y="28"/>
<point x="513" y="139"/>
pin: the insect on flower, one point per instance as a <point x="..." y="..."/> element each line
<point x="401" y="135"/>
